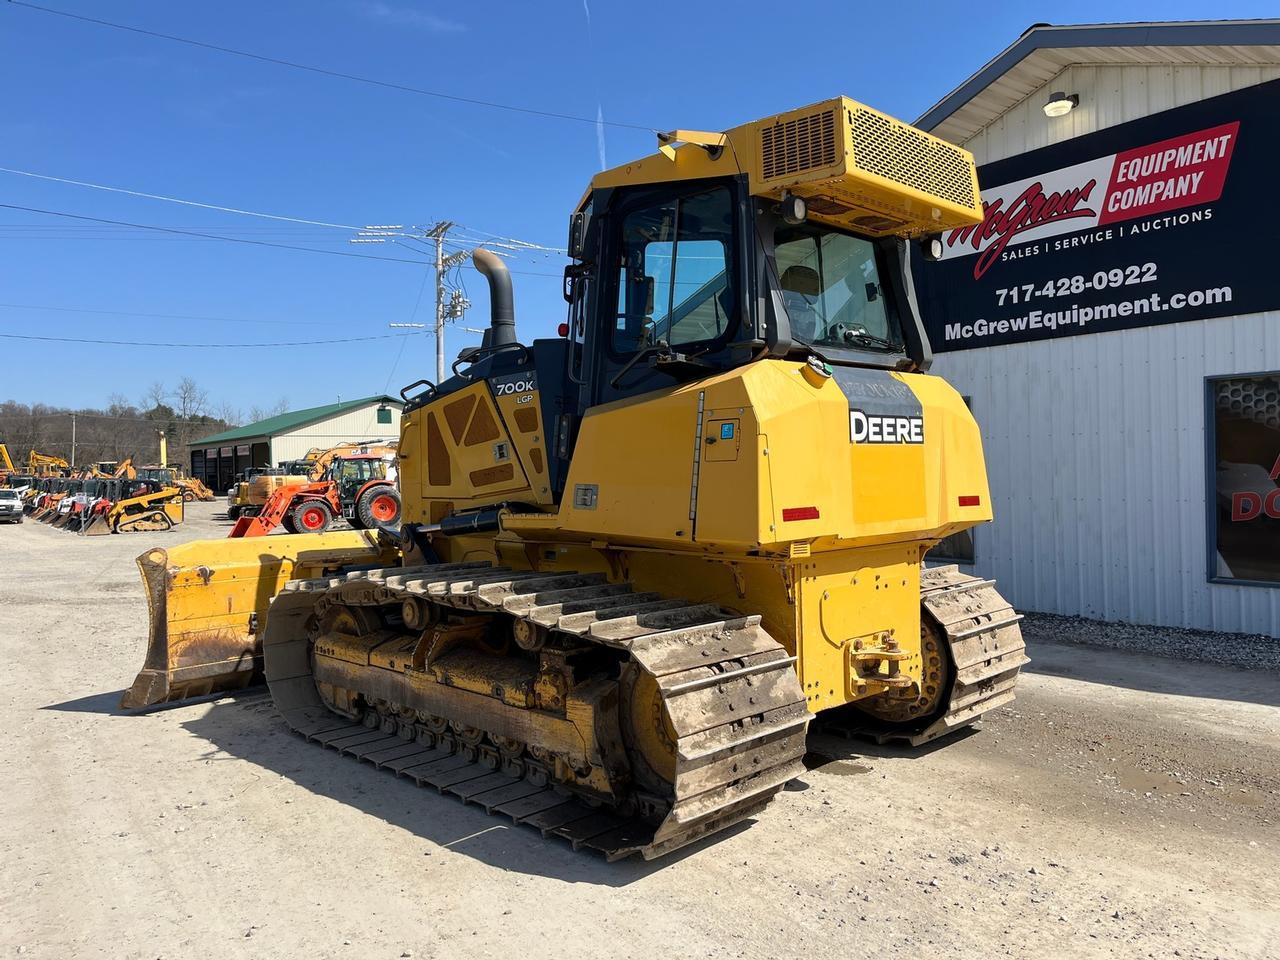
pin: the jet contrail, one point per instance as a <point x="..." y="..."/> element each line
<point x="604" y="165"/>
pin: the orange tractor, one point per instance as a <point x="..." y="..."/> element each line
<point x="358" y="486"/>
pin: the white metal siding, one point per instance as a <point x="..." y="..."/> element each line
<point x="1095" y="444"/>
<point x="1095" y="448"/>
<point x="1109" y="95"/>
<point x="360" y="423"/>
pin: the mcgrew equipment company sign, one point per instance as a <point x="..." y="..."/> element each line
<point x="1159" y="220"/>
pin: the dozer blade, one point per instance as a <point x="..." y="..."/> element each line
<point x="208" y="604"/>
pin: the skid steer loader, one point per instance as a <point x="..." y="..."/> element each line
<point x="135" y="506"/>
<point x="635" y="560"/>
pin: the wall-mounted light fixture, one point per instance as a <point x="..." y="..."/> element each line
<point x="1060" y="104"/>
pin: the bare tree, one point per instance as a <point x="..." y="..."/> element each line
<point x="155" y="396"/>
<point x="230" y="414"/>
<point x="118" y="405"/>
<point x="281" y="406"/>
<point x="117" y="429"/>
<point x="192" y="401"/>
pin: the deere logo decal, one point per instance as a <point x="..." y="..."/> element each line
<point x="884" y="428"/>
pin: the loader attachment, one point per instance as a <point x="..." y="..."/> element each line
<point x="208" y="604"/>
<point x="96" y="525"/>
<point x="248" y="527"/>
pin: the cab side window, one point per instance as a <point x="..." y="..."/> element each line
<point x="674" y="283"/>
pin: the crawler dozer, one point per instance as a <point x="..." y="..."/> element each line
<point x="634" y="561"/>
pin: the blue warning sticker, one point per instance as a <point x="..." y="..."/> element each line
<point x="726" y="431"/>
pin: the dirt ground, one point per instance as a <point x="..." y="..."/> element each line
<point x="1124" y="806"/>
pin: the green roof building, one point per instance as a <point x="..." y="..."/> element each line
<point x="218" y="458"/>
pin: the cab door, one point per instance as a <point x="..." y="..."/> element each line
<point x="669" y="303"/>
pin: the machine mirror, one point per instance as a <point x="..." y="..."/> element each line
<point x="576" y="223"/>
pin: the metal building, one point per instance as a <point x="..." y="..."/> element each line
<point x="218" y="458"/>
<point x="1115" y="321"/>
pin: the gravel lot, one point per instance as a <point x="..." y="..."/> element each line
<point x="1124" y="806"/>
<point x="1249" y="652"/>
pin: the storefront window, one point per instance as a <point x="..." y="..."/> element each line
<point x="1244" y="472"/>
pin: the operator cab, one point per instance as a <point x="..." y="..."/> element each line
<point x="788" y="238"/>
<point x="678" y="281"/>
<point x="352" y="473"/>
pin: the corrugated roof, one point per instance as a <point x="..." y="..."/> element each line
<point x="1045" y="50"/>
<point x="285" y="422"/>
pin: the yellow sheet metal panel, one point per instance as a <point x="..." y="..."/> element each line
<point x="631" y="477"/>
<point x="458" y="449"/>
<point x="856" y="167"/>
<point x="793" y="469"/>
<point x="733" y="488"/>
<point x="851" y="602"/>
<point x="522" y="415"/>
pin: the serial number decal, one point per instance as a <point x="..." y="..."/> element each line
<point x="884" y="428"/>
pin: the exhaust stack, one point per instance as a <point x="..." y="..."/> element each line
<point x="502" y="310"/>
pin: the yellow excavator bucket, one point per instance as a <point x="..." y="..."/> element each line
<point x="208" y="602"/>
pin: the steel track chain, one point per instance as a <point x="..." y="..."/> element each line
<point x="987" y="652"/>
<point x="729" y="691"/>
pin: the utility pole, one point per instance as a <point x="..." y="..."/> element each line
<point x="453" y="308"/>
<point x="448" y="308"/>
<point x="437" y="233"/>
<point x="73" y="440"/>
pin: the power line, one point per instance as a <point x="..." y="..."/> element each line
<point x="163" y="316"/>
<point x="212" y="346"/>
<point x="207" y="236"/>
<point x="325" y="71"/>
<point x="257" y="243"/>
<point x="243" y="212"/>
<point x="188" y="203"/>
<point x="192" y="420"/>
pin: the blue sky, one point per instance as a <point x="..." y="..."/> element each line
<point x="89" y="103"/>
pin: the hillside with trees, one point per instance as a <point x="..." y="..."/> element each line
<point x="122" y="428"/>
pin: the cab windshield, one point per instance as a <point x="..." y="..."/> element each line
<point x="832" y="291"/>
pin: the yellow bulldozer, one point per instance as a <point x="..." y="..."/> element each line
<point x="635" y="560"/>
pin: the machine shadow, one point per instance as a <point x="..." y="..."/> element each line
<point x="1111" y="667"/>
<point x="826" y="747"/>
<point x="106" y="703"/>
<point x="250" y="729"/>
